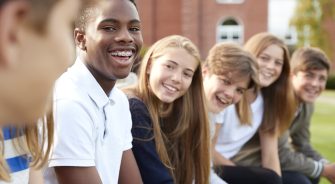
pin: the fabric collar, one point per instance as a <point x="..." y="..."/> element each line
<point x="88" y="83"/>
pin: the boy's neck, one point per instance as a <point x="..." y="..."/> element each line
<point x="106" y="84"/>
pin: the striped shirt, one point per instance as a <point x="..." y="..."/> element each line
<point x="16" y="158"/>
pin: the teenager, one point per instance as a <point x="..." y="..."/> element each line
<point x="92" y="118"/>
<point x="35" y="48"/>
<point x="170" y="125"/>
<point x="228" y="72"/>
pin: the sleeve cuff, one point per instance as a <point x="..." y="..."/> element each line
<point x="71" y="162"/>
<point x="317" y="169"/>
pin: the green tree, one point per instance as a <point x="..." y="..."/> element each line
<point x="309" y="19"/>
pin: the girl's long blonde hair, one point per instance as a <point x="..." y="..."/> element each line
<point x="279" y="101"/>
<point x="183" y="141"/>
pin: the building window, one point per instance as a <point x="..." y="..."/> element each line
<point x="229" y="30"/>
<point x="230" y="1"/>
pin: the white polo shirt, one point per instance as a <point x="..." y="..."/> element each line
<point x="232" y="135"/>
<point x="214" y="118"/>
<point x="91" y="128"/>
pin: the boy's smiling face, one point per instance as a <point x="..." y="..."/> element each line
<point x="309" y="84"/>
<point x="223" y="90"/>
<point x="112" y="41"/>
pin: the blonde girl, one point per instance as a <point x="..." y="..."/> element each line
<point x="170" y="125"/>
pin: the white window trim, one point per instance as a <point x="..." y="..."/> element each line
<point x="230" y="1"/>
<point x="229" y="30"/>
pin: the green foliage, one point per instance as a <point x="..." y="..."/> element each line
<point x="331" y="82"/>
<point x="309" y="19"/>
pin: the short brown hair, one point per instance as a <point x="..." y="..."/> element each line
<point x="309" y="58"/>
<point x="226" y="57"/>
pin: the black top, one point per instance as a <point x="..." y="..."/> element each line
<point x="151" y="168"/>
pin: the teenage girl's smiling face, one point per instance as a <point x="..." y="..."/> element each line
<point x="171" y="74"/>
<point x="270" y="62"/>
<point x="223" y="90"/>
<point x="113" y="40"/>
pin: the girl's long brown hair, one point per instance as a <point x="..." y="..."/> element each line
<point x="181" y="128"/>
<point x="279" y="101"/>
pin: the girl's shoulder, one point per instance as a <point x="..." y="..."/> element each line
<point x="139" y="112"/>
<point x="136" y="103"/>
<point x="142" y="129"/>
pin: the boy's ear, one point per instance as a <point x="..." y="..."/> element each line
<point x="80" y="38"/>
<point x="292" y="74"/>
<point x="204" y="71"/>
<point x="12" y="14"/>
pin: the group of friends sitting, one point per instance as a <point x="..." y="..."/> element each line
<point x="241" y="115"/>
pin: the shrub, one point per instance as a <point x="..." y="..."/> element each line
<point x="331" y="82"/>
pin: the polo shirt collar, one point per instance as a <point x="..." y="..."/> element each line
<point x="89" y="84"/>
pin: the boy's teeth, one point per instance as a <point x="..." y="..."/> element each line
<point x="122" y="53"/>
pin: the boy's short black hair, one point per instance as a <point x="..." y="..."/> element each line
<point x="88" y="12"/>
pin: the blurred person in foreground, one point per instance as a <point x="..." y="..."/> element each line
<point x="35" y="49"/>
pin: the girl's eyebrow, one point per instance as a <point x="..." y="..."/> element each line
<point x="189" y="69"/>
<point x="268" y="55"/>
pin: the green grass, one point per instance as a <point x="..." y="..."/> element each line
<point x="329" y="93"/>
<point x="323" y="127"/>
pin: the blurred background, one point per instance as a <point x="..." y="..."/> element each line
<point x="205" y="22"/>
<point x="297" y="22"/>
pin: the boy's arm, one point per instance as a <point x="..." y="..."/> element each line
<point x="73" y="151"/>
<point x="296" y="161"/>
<point x="218" y="159"/>
<point x="301" y="136"/>
<point x="82" y="175"/>
<point x="269" y="151"/>
<point x="129" y="172"/>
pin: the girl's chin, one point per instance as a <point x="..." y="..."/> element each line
<point x="165" y="99"/>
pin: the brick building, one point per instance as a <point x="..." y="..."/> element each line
<point x="205" y="22"/>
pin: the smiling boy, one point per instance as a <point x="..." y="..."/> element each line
<point x="310" y="68"/>
<point x="93" y="122"/>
